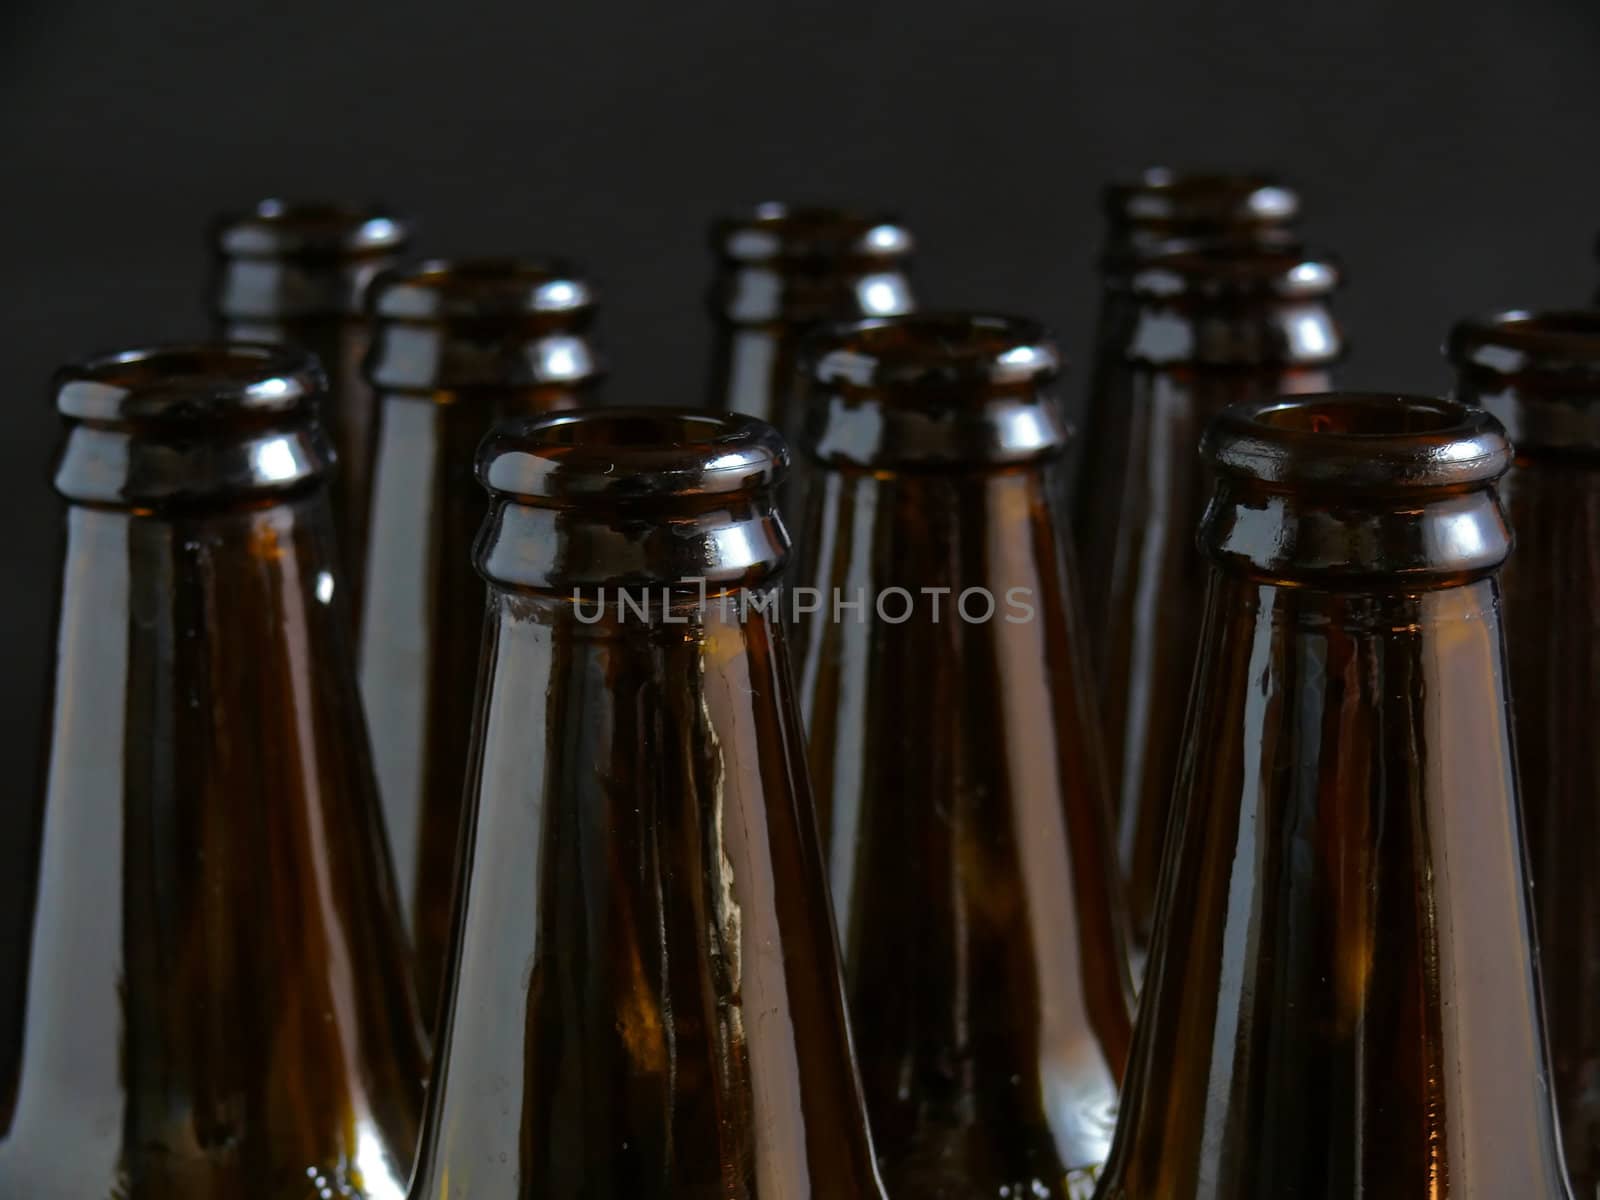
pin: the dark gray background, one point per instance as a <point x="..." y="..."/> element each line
<point x="1448" y="152"/>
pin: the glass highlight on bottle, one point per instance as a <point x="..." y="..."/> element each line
<point x="218" y="1002"/>
<point x="1199" y="327"/>
<point x="456" y="347"/>
<point x="956" y="762"/>
<point x="297" y="273"/>
<point x="1343" y="998"/>
<point x="1539" y="374"/>
<point x="781" y="270"/>
<point x="646" y="998"/>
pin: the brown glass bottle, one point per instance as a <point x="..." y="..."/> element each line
<point x="1539" y="373"/>
<point x="956" y="763"/>
<point x="1342" y="998"/>
<point x="1201" y="328"/>
<point x="645" y="997"/>
<point x="1161" y="210"/>
<point x="782" y="270"/>
<point x="456" y="347"/>
<point x="297" y="273"/>
<point x="218" y="1003"/>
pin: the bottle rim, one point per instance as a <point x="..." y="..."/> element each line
<point x="189" y="382"/>
<point x="1161" y="195"/>
<point x="1223" y="270"/>
<point x="927" y="349"/>
<point x="1360" y="443"/>
<point x="1519" y="342"/>
<point x="776" y="232"/>
<point x="631" y="454"/>
<point x="488" y="287"/>
<point x="276" y="228"/>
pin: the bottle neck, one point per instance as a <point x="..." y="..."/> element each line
<point x="155" y="1048"/>
<point x="941" y="684"/>
<point x="1367" y="949"/>
<point x="640" y="849"/>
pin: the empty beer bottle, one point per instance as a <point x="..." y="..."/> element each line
<point x="1342" y="998"/>
<point x="1161" y="210"/>
<point x="781" y="270"/>
<point x="456" y="347"/>
<point x="296" y="273"/>
<point x="959" y="784"/>
<point x="1202" y="327"/>
<point x="218" y="1007"/>
<point x="1539" y="373"/>
<point x="645" y="998"/>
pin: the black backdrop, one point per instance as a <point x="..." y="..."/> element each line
<point x="1448" y="152"/>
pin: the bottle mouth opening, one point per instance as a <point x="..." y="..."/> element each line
<point x="1220" y="270"/>
<point x="440" y="289"/>
<point x="632" y="454"/>
<point x="1358" y="442"/>
<point x="189" y="383"/>
<point x="934" y="351"/>
<point x="1518" y="342"/>
<point x="278" y="228"/>
<point x="776" y="232"/>
<point x="1164" y="194"/>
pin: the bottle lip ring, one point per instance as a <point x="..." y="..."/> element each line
<point x="776" y="232"/>
<point x="1358" y="442"/>
<point x="649" y="454"/>
<point x="189" y="382"/>
<point x="1529" y="342"/>
<point x="933" y="350"/>
<point x="277" y="228"/>
<point x="1219" y="270"/>
<point x="1159" y="195"/>
<point x="483" y="287"/>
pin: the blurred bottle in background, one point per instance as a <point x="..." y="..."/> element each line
<point x="780" y="271"/>
<point x="456" y="347"/>
<point x="297" y="273"/>
<point x="1197" y="327"/>
<point x="646" y="999"/>
<point x="1539" y="373"/>
<point x="1246" y="208"/>
<point x="218" y="1001"/>
<point x="955" y="758"/>
<point x="1342" y="998"/>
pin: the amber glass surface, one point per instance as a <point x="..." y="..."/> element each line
<point x="781" y="270"/>
<point x="296" y="273"/>
<point x="1342" y="999"/>
<point x="1539" y="373"/>
<point x="1197" y="329"/>
<point x="217" y="1000"/>
<point x="956" y="763"/>
<point x="646" y="998"/>
<point x="456" y="347"/>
